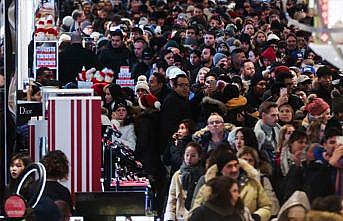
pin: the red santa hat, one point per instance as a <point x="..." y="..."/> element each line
<point x="149" y="101"/>
<point x="269" y="54"/>
<point x="98" y="88"/>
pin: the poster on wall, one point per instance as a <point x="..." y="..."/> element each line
<point x="46" y="58"/>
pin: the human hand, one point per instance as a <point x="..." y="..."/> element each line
<point x="282" y="99"/>
<point x="336" y="157"/>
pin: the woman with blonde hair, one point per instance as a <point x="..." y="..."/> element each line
<point x="285" y="132"/>
<point x="318" y="114"/>
<point x="200" y="79"/>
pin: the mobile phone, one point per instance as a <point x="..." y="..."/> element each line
<point x="283" y="91"/>
<point x="339" y="140"/>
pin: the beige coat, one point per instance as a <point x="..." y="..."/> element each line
<point x="252" y="192"/>
<point x="175" y="209"/>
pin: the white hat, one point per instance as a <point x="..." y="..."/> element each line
<point x="68" y="21"/>
<point x="143" y="21"/>
<point x="142" y="85"/>
<point x="302" y="78"/>
<point x="272" y="37"/>
<point x="63" y="38"/>
<point x="174" y="71"/>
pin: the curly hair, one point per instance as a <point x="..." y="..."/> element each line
<point x="56" y="165"/>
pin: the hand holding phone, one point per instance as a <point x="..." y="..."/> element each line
<point x="339" y="140"/>
<point x="283" y="92"/>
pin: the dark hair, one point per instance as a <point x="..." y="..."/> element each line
<point x="332" y="203"/>
<point x="195" y="51"/>
<point x="210" y="33"/>
<point x="236" y="51"/>
<point x="23" y="157"/>
<point x="196" y="146"/>
<point x="266" y="106"/>
<point x="76" y="13"/>
<point x="34" y="89"/>
<point x="162" y="64"/>
<point x="142" y="40"/>
<point x="160" y="78"/>
<point x="249" y="137"/>
<point x="222" y="149"/>
<point x="212" y="50"/>
<point x="291" y="35"/>
<point x="246" y="61"/>
<point x="189" y="124"/>
<point x="199" y="5"/>
<point x="297" y="135"/>
<point x="331" y="132"/>
<point x="115" y="91"/>
<point x="174" y="80"/>
<point x="220" y="194"/>
<point x="117" y="33"/>
<point x="56" y="165"/>
<point x="195" y="28"/>
<point x="164" y="52"/>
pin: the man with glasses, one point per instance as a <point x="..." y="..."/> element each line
<point x="215" y="135"/>
<point x="175" y="108"/>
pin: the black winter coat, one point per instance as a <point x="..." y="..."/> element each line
<point x="71" y="61"/>
<point x="174" y="109"/>
<point x="315" y="179"/>
<point x="114" y="58"/>
<point x="210" y="212"/>
<point x="147" y="132"/>
<point x="173" y="155"/>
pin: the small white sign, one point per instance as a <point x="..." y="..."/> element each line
<point x="84" y="84"/>
<point x="76" y="218"/>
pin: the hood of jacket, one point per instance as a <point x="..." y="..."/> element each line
<point x="298" y="198"/>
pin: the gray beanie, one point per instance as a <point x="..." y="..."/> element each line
<point x="217" y="57"/>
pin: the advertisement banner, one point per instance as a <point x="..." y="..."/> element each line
<point x="46" y="57"/>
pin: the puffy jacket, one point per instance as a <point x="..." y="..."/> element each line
<point x="252" y="192"/>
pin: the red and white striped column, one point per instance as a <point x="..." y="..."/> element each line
<point x="74" y="127"/>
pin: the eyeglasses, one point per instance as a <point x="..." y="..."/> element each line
<point x="183" y="85"/>
<point x="215" y="122"/>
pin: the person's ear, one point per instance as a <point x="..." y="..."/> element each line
<point x="263" y="114"/>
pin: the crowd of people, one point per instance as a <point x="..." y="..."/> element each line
<point x="233" y="116"/>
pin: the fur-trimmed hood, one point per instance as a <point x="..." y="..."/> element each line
<point x="251" y="172"/>
<point x="227" y="127"/>
<point x="323" y="216"/>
